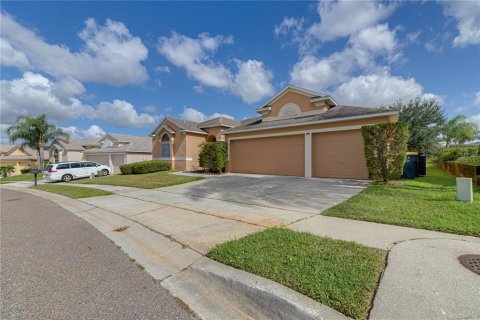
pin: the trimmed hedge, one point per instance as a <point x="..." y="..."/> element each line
<point x="453" y="153"/>
<point x="24" y="171"/>
<point x="385" y="147"/>
<point x="145" y="167"/>
<point x="213" y="156"/>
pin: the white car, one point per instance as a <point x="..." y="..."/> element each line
<point x="67" y="171"/>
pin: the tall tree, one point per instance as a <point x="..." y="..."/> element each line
<point x="35" y="132"/>
<point x="459" y="130"/>
<point x="425" y="119"/>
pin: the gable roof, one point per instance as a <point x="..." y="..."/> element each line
<point x="195" y="127"/>
<point x="73" y="145"/>
<point x="134" y="144"/>
<point x="309" y="93"/>
<point x="337" y="113"/>
<point x="4" y="148"/>
<point x="219" y="121"/>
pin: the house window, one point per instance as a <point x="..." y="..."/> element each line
<point x="165" y="137"/>
<point x="165" y="150"/>
<point x="56" y="156"/>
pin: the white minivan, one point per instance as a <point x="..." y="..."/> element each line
<point x="67" y="171"/>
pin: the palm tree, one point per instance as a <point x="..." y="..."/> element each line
<point x="35" y="132"/>
<point x="459" y="130"/>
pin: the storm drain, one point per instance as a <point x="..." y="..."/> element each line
<point x="471" y="262"/>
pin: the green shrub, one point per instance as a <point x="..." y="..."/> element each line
<point x="213" y="156"/>
<point x="126" y="169"/>
<point x="385" y="148"/>
<point x="453" y="153"/>
<point x="24" y="171"/>
<point x="145" y="167"/>
<point x="5" y="171"/>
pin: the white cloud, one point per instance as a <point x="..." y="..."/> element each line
<point x="251" y="82"/>
<point x="162" y="69"/>
<point x="343" y="18"/>
<point x="475" y="119"/>
<point x="11" y="56"/>
<point x="122" y="114"/>
<point x="110" y="54"/>
<point x="150" y="109"/>
<point x="194" y="56"/>
<point x="412" y="37"/>
<point x="360" y="53"/>
<point x="34" y="94"/>
<point x="467" y="15"/>
<point x="91" y="133"/>
<point x="199" y="88"/>
<point x="198" y="116"/>
<point x="288" y="25"/>
<point x="476" y="100"/>
<point x="379" y="89"/>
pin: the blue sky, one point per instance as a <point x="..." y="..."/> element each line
<point x="96" y="67"/>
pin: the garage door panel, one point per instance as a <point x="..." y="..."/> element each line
<point x="339" y="155"/>
<point x="277" y="155"/>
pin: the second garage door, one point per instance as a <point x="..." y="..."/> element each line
<point x="339" y="155"/>
<point x="277" y="155"/>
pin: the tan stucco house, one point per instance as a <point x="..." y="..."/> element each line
<point x="117" y="149"/>
<point x="18" y="157"/>
<point x="62" y="150"/>
<point x="303" y="133"/>
<point x="177" y="140"/>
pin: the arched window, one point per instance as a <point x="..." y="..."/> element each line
<point x="211" y="138"/>
<point x="165" y="145"/>
<point x="56" y="155"/>
<point x="289" y="109"/>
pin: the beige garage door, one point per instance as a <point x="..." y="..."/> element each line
<point x="278" y="156"/>
<point x="101" y="159"/>
<point x="339" y="155"/>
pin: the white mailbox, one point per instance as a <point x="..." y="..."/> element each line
<point x="464" y="189"/>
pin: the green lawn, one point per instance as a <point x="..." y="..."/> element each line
<point x="146" y="181"/>
<point x="22" y="177"/>
<point x="71" y="191"/>
<point x="475" y="160"/>
<point x="342" y="275"/>
<point x="426" y="203"/>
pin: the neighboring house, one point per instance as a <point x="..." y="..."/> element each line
<point x="118" y="149"/>
<point x="18" y="157"/>
<point x="62" y="150"/>
<point x="303" y="133"/>
<point x="177" y="140"/>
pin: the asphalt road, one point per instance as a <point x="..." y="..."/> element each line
<point x="54" y="265"/>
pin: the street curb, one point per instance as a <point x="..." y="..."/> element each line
<point x="216" y="291"/>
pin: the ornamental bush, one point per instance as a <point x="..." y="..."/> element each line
<point x="213" y="156"/>
<point x="385" y="150"/>
<point x="126" y="169"/>
<point x="5" y="171"/>
<point x="24" y="171"/>
<point x="145" y="167"/>
<point x="453" y="153"/>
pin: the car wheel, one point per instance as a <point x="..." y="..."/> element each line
<point x="67" y="177"/>
<point x="105" y="172"/>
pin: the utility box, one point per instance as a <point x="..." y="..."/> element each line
<point x="464" y="189"/>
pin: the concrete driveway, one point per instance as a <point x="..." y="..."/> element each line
<point x="288" y="193"/>
<point x="214" y="210"/>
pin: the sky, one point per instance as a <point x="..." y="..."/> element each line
<point x="96" y="67"/>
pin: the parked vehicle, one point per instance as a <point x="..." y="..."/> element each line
<point x="67" y="171"/>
